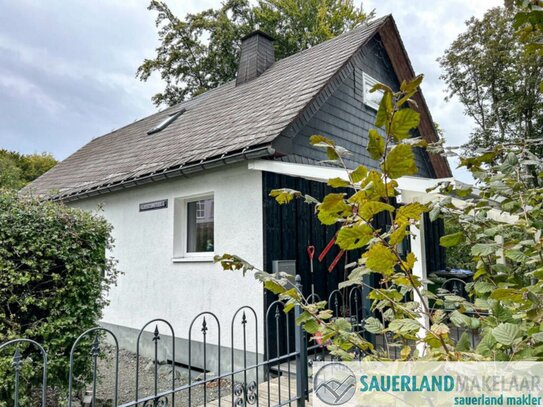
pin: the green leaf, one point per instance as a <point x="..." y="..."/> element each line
<point x="284" y="195"/>
<point x="400" y="161"/>
<point x="459" y="319"/>
<point x="371" y="208"/>
<point x="342" y="325"/>
<point x="303" y="317"/>
<point x="516" y="255"/>
<point x="380" y="259"/>
<point x="483" y="287"/>
<point x="404" y="325"/>
<point x="380" y="86"/>
<point x="321" y="141"/>
<point x="338" y="182"/>
<point x="510" y="164"/>
<point x="373" y="325"/>
<point x="333" y="152"/>
<point x="484" y="249"/>
<point x="413" y="210"/>
<point x="507" y="294"/>
<point x="354" y="237"/>
<point x="464" y="343"/>
<point x="355" y="277"/>
<point x="487" y="345"/>
<point x="274" y="287"/>
<point x="332" y="208"/>
<point x="506" y="333"/>
<point x="308" y="199"/>
<point x="402" y="123"/>
<point x="452" y="239"/>
<point x="359" y="173"/>
<point x="398" y="235"/>
<point x="385" y="110"/>
<point x="311" y="326"/>
<point x="434" y="213"/>
<point x="412" y="85"/>
<point x="376" y="145"/>
<point x="332" y="202"/>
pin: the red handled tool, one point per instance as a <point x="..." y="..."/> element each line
<point x="327" y="249"/>
<point x="336" y="260"/>
<point x="325" y="252"/>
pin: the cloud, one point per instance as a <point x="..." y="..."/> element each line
<point x="68" y="71"/>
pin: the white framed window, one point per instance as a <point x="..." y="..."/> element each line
<point x="371" y="99"/>
<point x="194" y="229"/>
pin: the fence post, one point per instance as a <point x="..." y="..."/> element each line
<point x="301" y="354"/>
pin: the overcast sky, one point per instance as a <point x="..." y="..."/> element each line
<point x="67" y="68"/>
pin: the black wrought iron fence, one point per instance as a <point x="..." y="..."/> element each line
<point x="254" y="378"/>
<point x="344" y="303"/>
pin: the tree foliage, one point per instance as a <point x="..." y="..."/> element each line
<point x="17" y="170"/>
<point x="496" y="79"/>
<point x="201" y="51"/>
<point x="54" y="277"/>
<point x="501" y="222"/>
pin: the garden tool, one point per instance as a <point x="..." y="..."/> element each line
<point x="327" y="249"/>
<point x="311" y="253"/>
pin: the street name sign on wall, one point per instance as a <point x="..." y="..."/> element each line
<point x="151" y="206"/>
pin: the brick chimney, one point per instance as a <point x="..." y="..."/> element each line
<point x="256" y="56"/>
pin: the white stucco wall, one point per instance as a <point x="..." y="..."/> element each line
<point x="154" y="286"/>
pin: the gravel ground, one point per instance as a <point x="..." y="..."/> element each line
<point x="127" y="381"/>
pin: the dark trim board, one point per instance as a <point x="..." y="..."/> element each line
<point x="289" y="229"/>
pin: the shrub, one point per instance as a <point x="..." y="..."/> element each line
<point x="55" y="274"/>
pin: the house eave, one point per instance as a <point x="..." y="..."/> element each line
<point x="169" y="173"/>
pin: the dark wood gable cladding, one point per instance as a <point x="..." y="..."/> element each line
<point x="345" y="117"/>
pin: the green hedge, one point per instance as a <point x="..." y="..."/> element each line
<point x="55" y="274"/>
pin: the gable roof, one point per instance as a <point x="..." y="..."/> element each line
<point x="223" y="125"/>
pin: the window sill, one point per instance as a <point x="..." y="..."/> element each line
<point x="195" y="259"/>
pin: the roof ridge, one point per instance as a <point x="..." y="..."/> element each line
<point x="363" y="25"/>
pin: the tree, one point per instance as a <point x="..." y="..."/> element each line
<point x="17" y="170"/>
<point x="529" y="24"/>
<point x="201" y="51"/>
<point x="10" y="174"/>
<point x="502" y="225"/>
<point x="496" y="80"/>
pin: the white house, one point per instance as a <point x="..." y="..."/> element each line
<point x="193" y="180"/>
